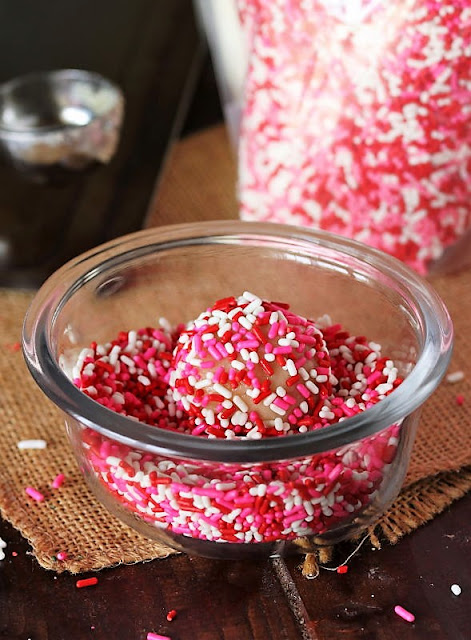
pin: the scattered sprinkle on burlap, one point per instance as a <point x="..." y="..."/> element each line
<point x="198" y="184"/>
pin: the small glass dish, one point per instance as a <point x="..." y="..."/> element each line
<point x="66" y="118"/>
<point x="230" y="499"/>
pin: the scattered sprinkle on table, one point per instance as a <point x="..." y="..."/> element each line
<point x="157" y="636"/>
<point x="455" y="589"/>
<point x="32" y="444"/>
<point x="404" y="614"/>
<point x="58" y="481"/>
<point x="342" y="569"/>
<point x="456" y="376"/>
<point x="171" y="615"/>
<point x="35" y="494"/>
<point x="15" y="346"/>
<point x="86" y="582"/>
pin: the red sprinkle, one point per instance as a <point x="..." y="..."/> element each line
<point x="62" y="555"/>
<point x="460" y="399"/>
<point x="86" y="582"/>
<point x="171" y="615"/>
<point x="342" y="569"/>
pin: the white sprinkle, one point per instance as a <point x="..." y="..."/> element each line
<point x="128" y="361"/>
<point x="244" y="322"/>
<point x="312" y="387"/>
<point x="3" y="544"/>
<point x="456" y="376"/>
<point x="269" y="399"/>
<point x="455" y="589"/>
<point x="237" y="364"/>
<point x="269" y="357"/>
<point x="252" y="307"/>
<point x="132" y="337"/>
<point x="254" y="357"/>
<point x="143" y="380"/>
<point x="281" y="391"/>
<point x="290" y="367"/>
<point x="303" y="373"/>
<point x="278" y="410"/>
<point x="31" y="444"/>
<point x="202" y="383"/>
<point x="229" y="347"/>
<point x="278" y="424"/>
<point x="240" y="403"/>
<point x="218" y="388"/>
<point x="118" y="397"/>
<point x="209" y="416"/>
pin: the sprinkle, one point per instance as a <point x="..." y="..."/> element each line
<point x="459" y="399"/>
<point x="403" y="613"/>
<point x="35" y="494"/>
<point x="157" y="636"/>
<point x="3" y="544"/>
<point x="31" y="444"/>
<point x="219" y="401"/>
<point x="455" y="589"/>
<point x="171" y="615"/>
<point x="58" y="481"/>
<point x="86" y="582"/>
<point x="456" y="376"/>
<point x="15" y="346"/>
<point x="62" y="555"/>
<point x="342" y="569"/>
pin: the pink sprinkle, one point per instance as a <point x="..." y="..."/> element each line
<point x="460" y="399"/>
<point x="303" y="390"/>
<point x="58" y="481"/>
<point x="403" y="613"/>
<point x="62" y="555"/>
<point x="157" y="636"/>
<point x="35" y="494"/>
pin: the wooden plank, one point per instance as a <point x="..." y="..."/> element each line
<point x="416" y="573"/>
<point x="214" y="600"/>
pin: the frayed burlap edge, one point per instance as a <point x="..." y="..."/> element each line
<point x="417" y="504"/>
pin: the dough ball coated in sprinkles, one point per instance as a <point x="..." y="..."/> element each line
<point x="249" y="367"/>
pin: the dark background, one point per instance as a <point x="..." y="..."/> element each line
<point x="155" y="52"/>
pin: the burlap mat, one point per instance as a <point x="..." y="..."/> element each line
<point x="198" y="184"/>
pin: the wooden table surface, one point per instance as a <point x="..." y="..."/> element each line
<point x="215" y="600"/>
<point x="267" y="599"/>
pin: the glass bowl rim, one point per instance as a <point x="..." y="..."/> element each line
<point x="424" y="377"/>
<point x="7" y="132"/>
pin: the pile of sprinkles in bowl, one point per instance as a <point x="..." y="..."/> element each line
<point x="244" y="369"/>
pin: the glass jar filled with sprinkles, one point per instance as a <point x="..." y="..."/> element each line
<point x="354" y="117"/>
<point x="271" y="411"/>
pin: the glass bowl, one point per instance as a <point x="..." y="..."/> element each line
<point x="233" y="498"/>
<point x="64" y="118"/>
